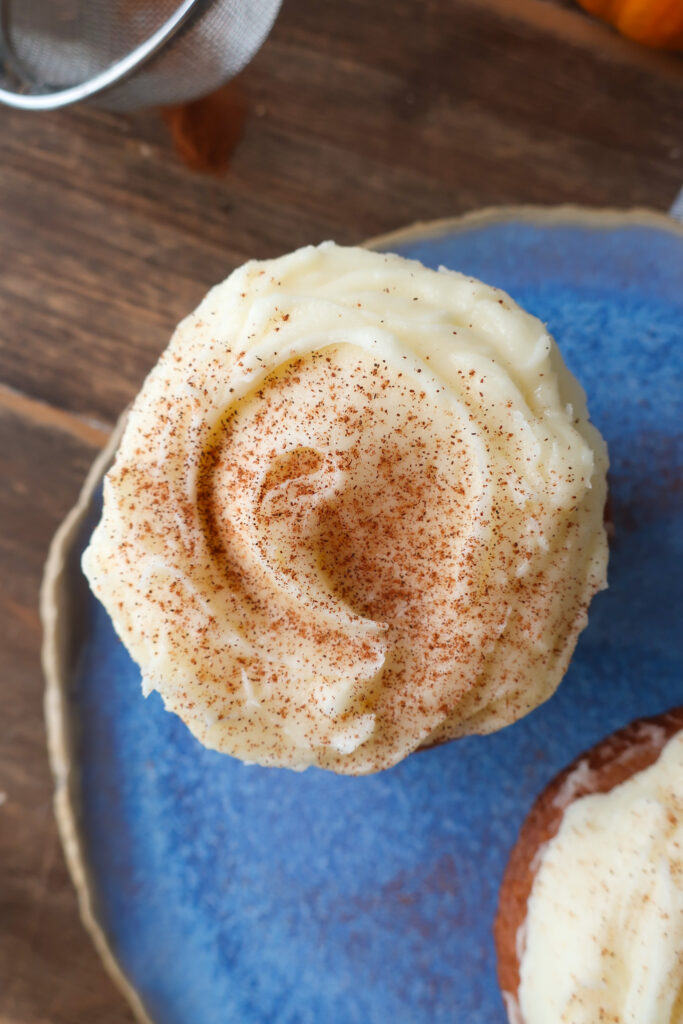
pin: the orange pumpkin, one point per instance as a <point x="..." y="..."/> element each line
<point x="652" y="22"/>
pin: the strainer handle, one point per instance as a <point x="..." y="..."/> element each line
<point x="98" y="83"/>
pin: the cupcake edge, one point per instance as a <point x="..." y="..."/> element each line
<point x="600" y="769"/>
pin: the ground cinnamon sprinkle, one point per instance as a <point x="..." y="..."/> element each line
<point x="206" y="131"/>
<point x="332" y="534"/>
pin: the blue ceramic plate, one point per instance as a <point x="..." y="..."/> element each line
<point x="220" y="893"/>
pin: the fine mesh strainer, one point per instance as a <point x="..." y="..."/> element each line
<point x="128" y="53"/>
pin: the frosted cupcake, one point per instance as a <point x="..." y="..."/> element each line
<point x="357" y="509"/>
<point x="590" y="919"/>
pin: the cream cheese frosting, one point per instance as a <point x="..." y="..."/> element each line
<point x="603" y="939"/>
<point x="357" y="508"/>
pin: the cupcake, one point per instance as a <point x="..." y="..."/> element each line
<point x="590" y="917"/>
<point x="357" y="510"/>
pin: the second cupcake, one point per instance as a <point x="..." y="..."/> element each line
<point x="590" y="919"/>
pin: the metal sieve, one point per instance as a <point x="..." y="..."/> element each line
<point x="128" y="53"/>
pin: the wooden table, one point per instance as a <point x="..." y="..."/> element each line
<point x="362" y="117"/>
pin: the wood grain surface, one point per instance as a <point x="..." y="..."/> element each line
<point x="362" y="117"/>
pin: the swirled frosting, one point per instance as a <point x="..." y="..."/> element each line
<point x="603" y="939"/>
<point x="357" y="508"/>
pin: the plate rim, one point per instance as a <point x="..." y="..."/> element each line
<point x="65" y="769"/>
<point x="547" y="216"/>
